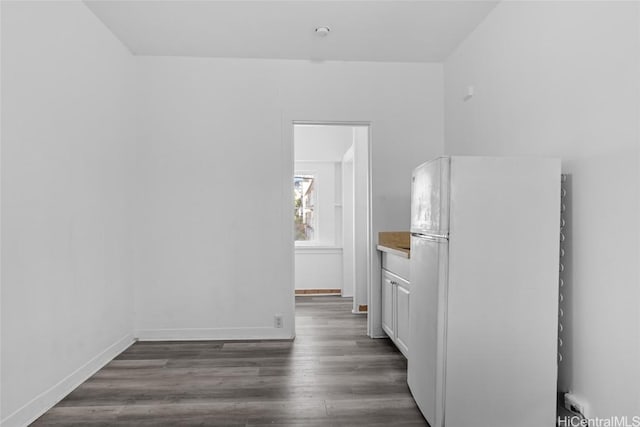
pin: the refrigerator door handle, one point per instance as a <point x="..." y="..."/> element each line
<point x="432" y="237"/>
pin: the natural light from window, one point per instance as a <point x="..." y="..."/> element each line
<point x="304" y="192"/>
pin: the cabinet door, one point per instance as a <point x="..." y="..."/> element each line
<point x="402" y="318"/>
<point x="387" y="304"/>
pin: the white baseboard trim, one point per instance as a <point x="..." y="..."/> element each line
<point x="219" y="334"/>
<point x="47" y="399"/>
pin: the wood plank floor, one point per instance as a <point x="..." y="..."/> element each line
<point x="331" y="375"/>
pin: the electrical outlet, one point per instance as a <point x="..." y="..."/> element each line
<point x="277" y="320"/>
<point x="571" y="403"/>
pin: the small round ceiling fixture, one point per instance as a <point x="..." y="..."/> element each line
<point x="322" y="31"/>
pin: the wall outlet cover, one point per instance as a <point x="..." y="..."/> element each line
<point x="573" y="404"/>
<point x="277" y="320"/>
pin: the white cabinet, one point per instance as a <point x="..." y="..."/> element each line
<point x="402" y="317"/>
<point x="387" y="303"/>
<point x="395" y="300"/>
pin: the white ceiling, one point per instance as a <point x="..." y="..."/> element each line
<point x="321" y="143"/>
<point x="363" y="30"/>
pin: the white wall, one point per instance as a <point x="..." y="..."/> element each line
<point x="560" y="79"/>
<point x="318" y="268"/>
<point x="216" y="162"/>
<point x="362" y="241"/>
<point x="348" y="237"/>
<point x="67" y="133"/>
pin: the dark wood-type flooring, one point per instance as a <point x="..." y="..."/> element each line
<point x="331" y="375"/>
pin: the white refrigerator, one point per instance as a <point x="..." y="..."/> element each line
<point x="484" y="291"/>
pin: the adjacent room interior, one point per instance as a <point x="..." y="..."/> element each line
<point x="331" y="198"/>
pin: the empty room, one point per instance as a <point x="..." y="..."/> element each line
<point x="320" y="213"/>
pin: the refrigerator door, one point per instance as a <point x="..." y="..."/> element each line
<point x="427" y="325"/>
<point x="430" y="197"/>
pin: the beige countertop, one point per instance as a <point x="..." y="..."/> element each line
<point x="395" y="242"/>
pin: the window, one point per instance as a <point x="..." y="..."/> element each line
<point x="304" y="191"/>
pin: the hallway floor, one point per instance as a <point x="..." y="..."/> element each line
<point x="331" y="375"/>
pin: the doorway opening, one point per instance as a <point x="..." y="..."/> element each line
<point x="331" y="210"/>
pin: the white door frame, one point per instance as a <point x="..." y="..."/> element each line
<point x="288" y="123"/>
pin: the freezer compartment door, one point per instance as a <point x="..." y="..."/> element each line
<point x="427" y="325"/>
<point x="430" y="197"/>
